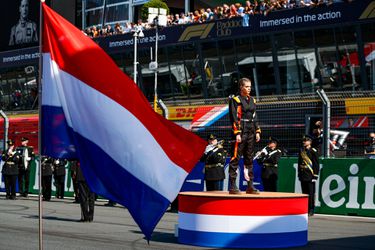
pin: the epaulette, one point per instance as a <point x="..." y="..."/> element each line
<point x="236" y="98"/>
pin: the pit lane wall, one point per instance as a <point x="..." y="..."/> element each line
<point x="344" y="187"/>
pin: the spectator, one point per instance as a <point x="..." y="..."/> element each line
<point x="118" y="29"/>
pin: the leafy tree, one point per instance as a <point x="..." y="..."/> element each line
<point x="152" y="4"/>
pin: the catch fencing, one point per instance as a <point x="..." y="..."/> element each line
<point x="288" y="118"/>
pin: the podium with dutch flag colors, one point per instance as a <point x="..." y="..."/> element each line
<point x="265" y="220"/>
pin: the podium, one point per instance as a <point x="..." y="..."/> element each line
<point x="265" y="220"/>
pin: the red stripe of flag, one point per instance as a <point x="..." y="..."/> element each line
<point x="81" y="57"/>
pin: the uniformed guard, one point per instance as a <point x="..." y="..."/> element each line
<point x="47" y="170"/>
<point x="269" y="158"/>
<point x="25" y="30"/>
<point x="26" y="154"/>
<point x="86" y="197"/>
<point x="242" y="114"/>
<point x="10" y="170"/>
<point x="214" y="158"/>
<point x="308" y="170"/>
<point x="73" y="174"/>
<point x="59" y="177"/>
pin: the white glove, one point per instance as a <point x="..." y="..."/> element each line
<point x="246" y="174"/>
<point x="264" y="151"/>
<point x="209" y="148"/>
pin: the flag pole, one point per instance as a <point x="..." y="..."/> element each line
<point x="40" y="207"/>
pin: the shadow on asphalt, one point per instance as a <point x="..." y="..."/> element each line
<point x="163" y="237"/>
<point x="52" y="218"/>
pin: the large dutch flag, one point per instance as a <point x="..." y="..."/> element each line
<point x="92" y="111"/>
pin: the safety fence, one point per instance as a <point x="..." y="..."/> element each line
<point x="288" y="118"/>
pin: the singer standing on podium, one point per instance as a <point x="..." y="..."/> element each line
<point x="242" y="114"/>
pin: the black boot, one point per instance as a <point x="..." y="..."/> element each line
<point x="251" y="189"/>
<point x="233" y="189"/>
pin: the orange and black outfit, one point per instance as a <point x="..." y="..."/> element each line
<point x="242" y="114"/>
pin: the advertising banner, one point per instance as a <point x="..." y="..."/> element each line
<point x="345" y="186"/>
<point x="274" y="21"/>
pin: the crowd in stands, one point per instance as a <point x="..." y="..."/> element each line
<point x="255" y="7"/>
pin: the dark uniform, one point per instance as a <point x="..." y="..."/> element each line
<point x="10" y="170"/>
<point x="73" y="174"/>
<point x="47" y="170"/>
<point x="308" y="170"/>
<point x="214" y="159"/>
<point x="269" y="158"/>
<point x="86" y="198"/>
<point x="59" y="177"/>
<point x="26" y="154"/>
<point x="242" y="114"/>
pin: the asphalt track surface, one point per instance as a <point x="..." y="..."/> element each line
<point x="113" y="228"/>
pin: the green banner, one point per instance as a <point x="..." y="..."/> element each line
<point x="34" y="181"/>
<point x="345" y="186"/>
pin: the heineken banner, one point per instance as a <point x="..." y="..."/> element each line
<point x="345" y="186"/>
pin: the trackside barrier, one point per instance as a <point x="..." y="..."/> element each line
<point x="344" y="187"/>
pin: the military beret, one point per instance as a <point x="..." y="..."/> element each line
<point x="307" y="138"/>
<point x="211" y="137"/>
<point x="273" y="139"/>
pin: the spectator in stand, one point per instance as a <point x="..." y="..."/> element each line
<point x="140" y="24"/>
<point x="128" y="28"/>
<point x="183" y="19"/>
<point x="233" y="11"/>
<point x="170" y="20"/>
<point x="118" y="29"/>
<point x="94" y="31"/>
<point x="219" y="12"/>
<point x="190" y="17"/>
<point x="262" y="8"/>
<point x="196" y="17"/>
<point x="245" y="16"/>
<point x="110" y="30"/>
<point x="307" y="3"/>
<point x="210" y="14"/>
<point x="249" y="8"/>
